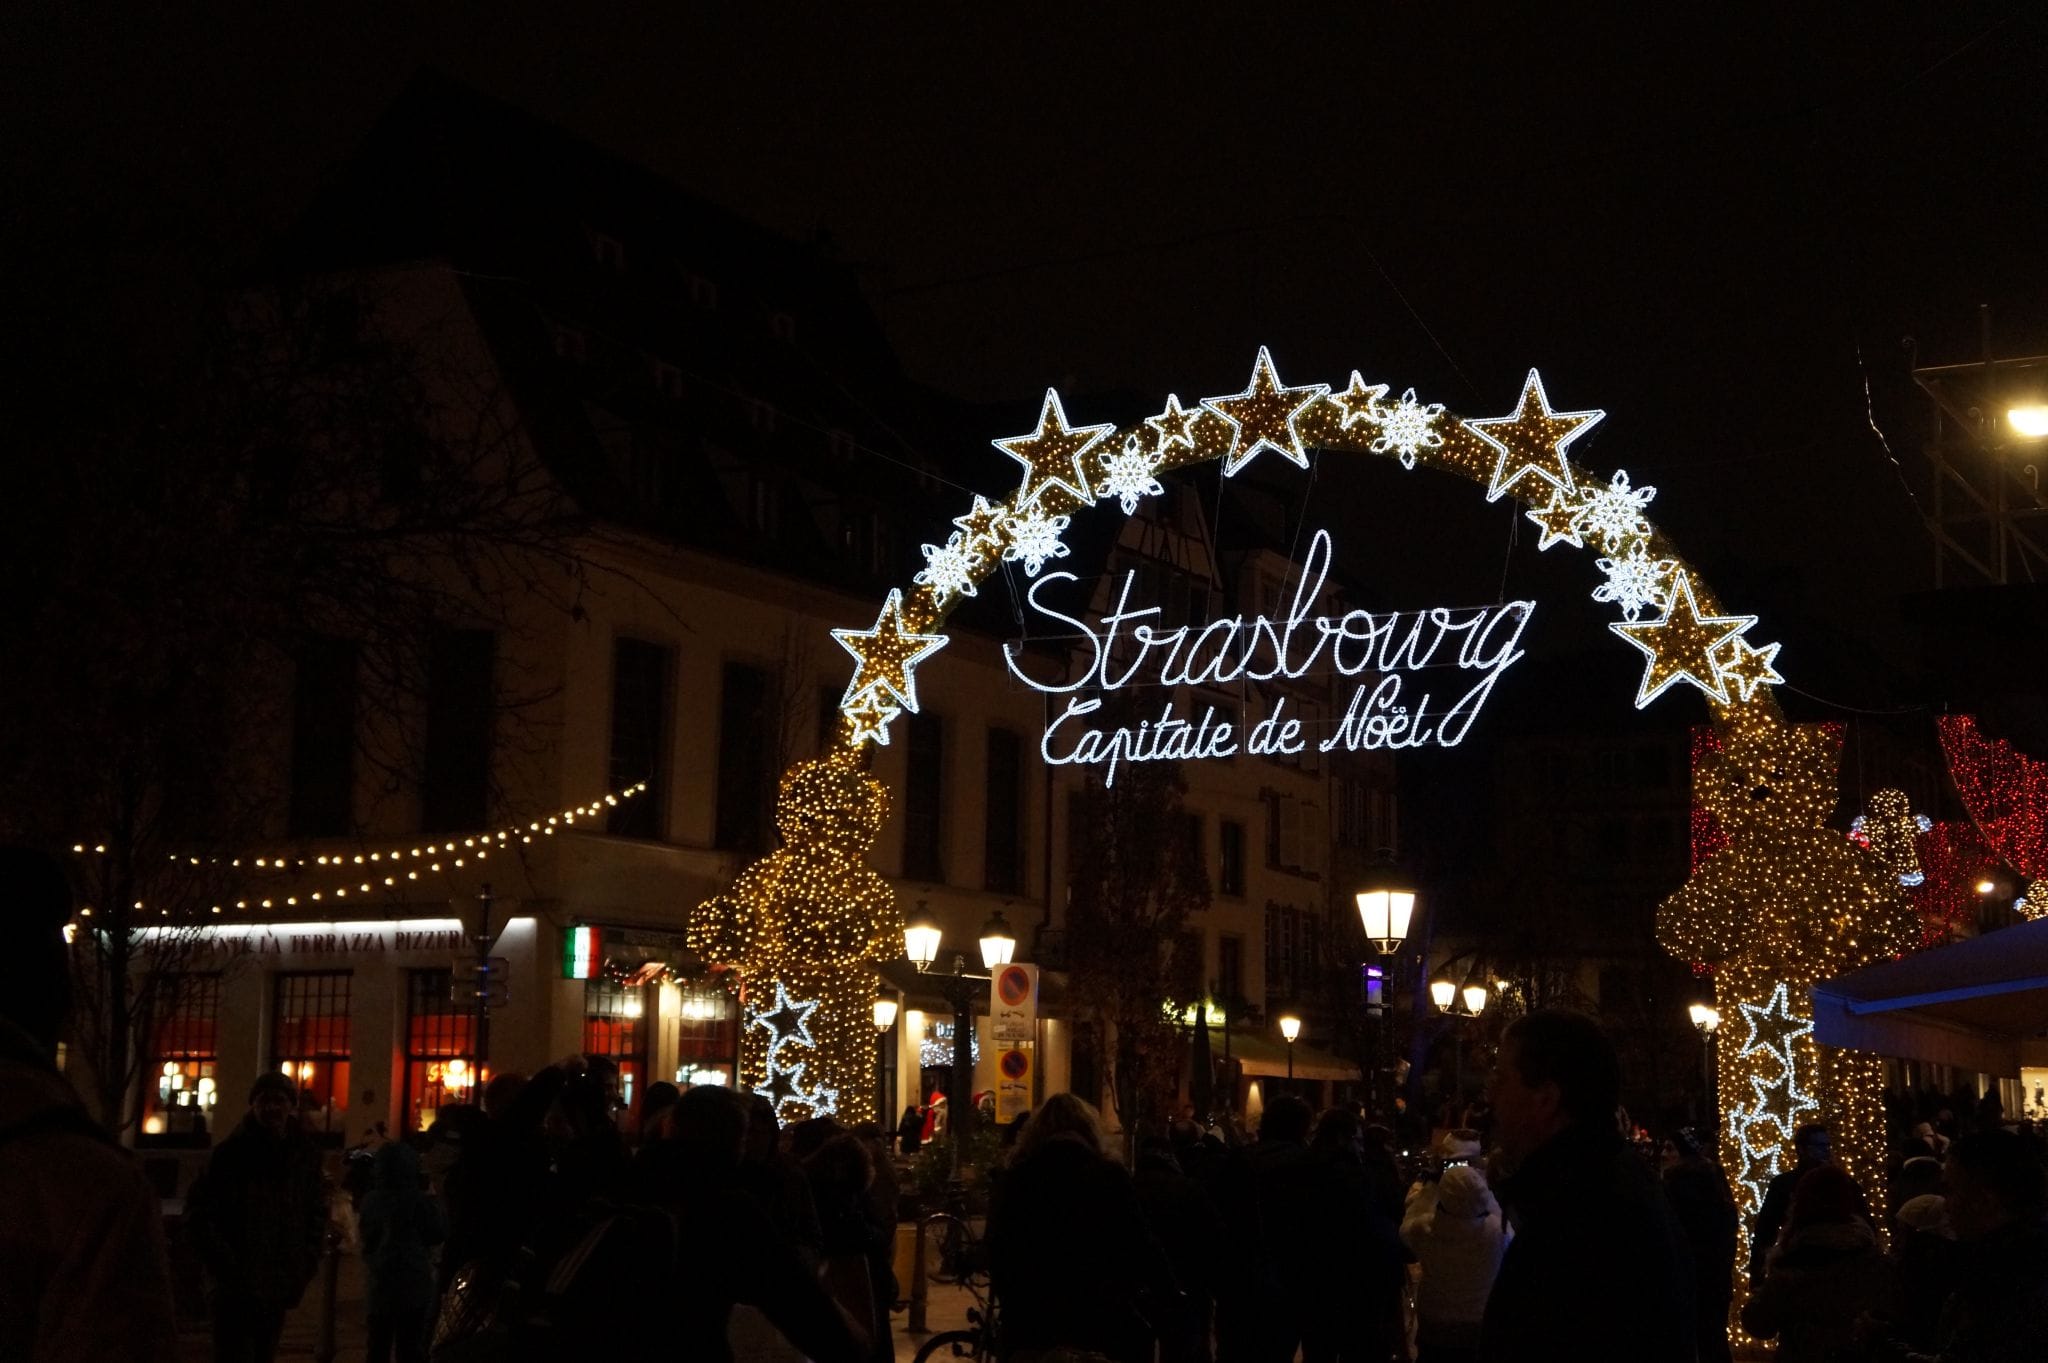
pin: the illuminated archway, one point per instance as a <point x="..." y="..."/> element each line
<point x="1776" y="900"/>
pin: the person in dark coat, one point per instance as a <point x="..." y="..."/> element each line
<point x="1184" y="1222"/>
<point x="1070" y="1257"/>
<point x="1268" y="1194"/>
<point x="910" y="1131"/>
<point x="1597" y="1271"/>
<point x="1355" y="1264"/>
<point x="858" y="1243"/>
<point x="401" y="1225"/>
<point x="776" y="1181"/>
<point x="83" y="1277"/>
<point x="693" y="1175"/>
<point x="1705" y="1207"/>
<point x="1825" y="1274"/>
<point x="1812" y="1148"/>
<point x="258" y="1216"/>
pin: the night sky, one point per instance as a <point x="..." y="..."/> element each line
<point x="1695" y="225"/>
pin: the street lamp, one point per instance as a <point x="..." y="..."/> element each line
<point x="1290" y="1028"/>
<point x="2029" y="422"/>
<point x="886" y="1004"/>
<point x="1707" y="1020"/>
<point x="1443" y="993"/>
<point x="1475" y="999"/>
<point x="998" y="943"/>
<point x="921" y="938"/>
<point x="885" y="1007"/>
<point x="1386" y="905"/>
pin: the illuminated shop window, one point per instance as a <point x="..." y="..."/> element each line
<point x="309" y="1043"/>
<point x="440" y="1048"/>
<point x="178" y="1083"/>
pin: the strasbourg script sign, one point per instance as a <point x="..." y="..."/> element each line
<point x="1382" y="653"/>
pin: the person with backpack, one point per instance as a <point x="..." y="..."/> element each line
<point x="83" y="1274"/>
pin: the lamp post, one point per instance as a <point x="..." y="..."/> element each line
<point x="1706" y="1019"/>
<point x="921" y="937"/>
<point x="1463" y="1004"/>
<point x="885" y="1009"/>
<point x="1386" y="910"/>
<point x="1290" y="1028"/>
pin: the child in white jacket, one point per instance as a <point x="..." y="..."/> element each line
<point x="1456" y="1231"/>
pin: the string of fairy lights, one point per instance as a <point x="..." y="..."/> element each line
<point x="389" y="867"/>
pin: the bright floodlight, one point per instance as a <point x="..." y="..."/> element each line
<point x="2029" y="422"/>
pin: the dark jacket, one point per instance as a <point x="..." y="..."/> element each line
<point x="2000" y="1301"/>
<point x="1777" y="1205"/>
<point x="258" y="1215"/>
<point x="1706" y="1213"/>
<point x="82" y="1269"/>
<point x="401" y="1225"/>
<point x="1070" y="1256"/>
<point x="1598" y="1269"/>
<point x="1817" y="1284"/>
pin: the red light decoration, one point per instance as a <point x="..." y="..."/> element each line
<point x="2005" y="791"/>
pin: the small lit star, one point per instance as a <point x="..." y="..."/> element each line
<point x="1175" y="426"/>
<point x="887" y="653"/>
<point x="870" y="716"/>
<point x="1361" y="401"/>
<point x="1051" y="455"/>
<point x="1264" y="416"/>
<point x="1559" y="522"/>
<point x="1746" y="667"/>
<point x="983" y="525"/>
<point x="1532" y="440"/>
<point x="1680" y="644"/>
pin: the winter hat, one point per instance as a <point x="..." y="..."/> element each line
<point x="1462" y="1193"/>
<point x="1928" y="1212"/>
<point x="1459" y="1144"/>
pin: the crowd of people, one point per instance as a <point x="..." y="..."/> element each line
<point x="531" y="1226"/>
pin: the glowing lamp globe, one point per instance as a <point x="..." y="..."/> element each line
<point x="2029" y="422"/>
<point x="921" y="937"/>
<point x="885" y="1012"/>
<point x="1475" y="999"/>
<point x="1443" y="992"/>
<point x="1290" y="1027"/>
<point x="1706" y="1018"/>
<point x="998" y="943"/>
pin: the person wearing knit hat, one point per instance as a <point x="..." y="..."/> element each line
<point x="83" y="1274"/>
<point x="1824" y="1275"/>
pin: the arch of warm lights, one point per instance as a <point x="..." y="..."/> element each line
<point x="1778" y="902"/>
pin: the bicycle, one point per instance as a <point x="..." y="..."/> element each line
<point x="958" y="1258"/>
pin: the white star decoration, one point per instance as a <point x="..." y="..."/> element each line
<point x="1762" y="1127"/>
<point x="1127" y="476"/>
<point x="887" y="654"/>
<point x="1615" y="512"/>
<point x="1635" y="580"/>
<point x="1034" y="538"/>
<point x="1407" y="428"/>
<point x="1532" y="440"/>
<point x="948" y="568"/>
<point x="1175" y="426"/>
<point x="788" y="1023"/>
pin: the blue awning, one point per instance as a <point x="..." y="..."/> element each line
<point x="1969" y="1004"/>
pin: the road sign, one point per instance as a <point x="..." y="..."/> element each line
<point x="488" y="979"/>
<point x="470" y="968"/>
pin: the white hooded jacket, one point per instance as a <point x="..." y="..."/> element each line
<point x="1455" y="1229"/>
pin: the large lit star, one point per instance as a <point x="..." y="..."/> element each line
<point x="1680" y="644"/>
<point x="1745" y="668"/>
<point x="787" y="1019"/>
<point x="886" y="655"/>
<point x="1263" y="415"/>
<point x="1532" y="441"/>
<point x="1051" y="455"/>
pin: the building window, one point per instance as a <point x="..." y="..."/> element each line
<point x="1384" y="827"/>
<point x="1004" y="825"/>
<point x="178" y="1087"/>
<point x="1186" y="970"/>
<point x="1354" y="803"/>
<point x="1285" y="844"/>
<point x="746" y="751"/>
<point x="323" y="740"/>
<point x="440" y="1048"/>
<point x="1230" y="838"/>
<point x="707" y="1030"/>
<point x="923" y="791"/>
<point x="309" y="1042"/>
<point x="1194" y="844"/>
<point x="640" y="673"/>
<point x="1229" y="968"/>
<point x="455" y="790"/>
<point x="615" y="1027"/>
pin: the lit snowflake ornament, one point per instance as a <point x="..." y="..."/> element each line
<point x="1127" y="476"/>
<point x="1407" y="428"/>
<point x="948" y="568"/>
<point x="1034" y="538"/>
<point x="1615" y="512"/>
<point x="1635" y="580"/>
